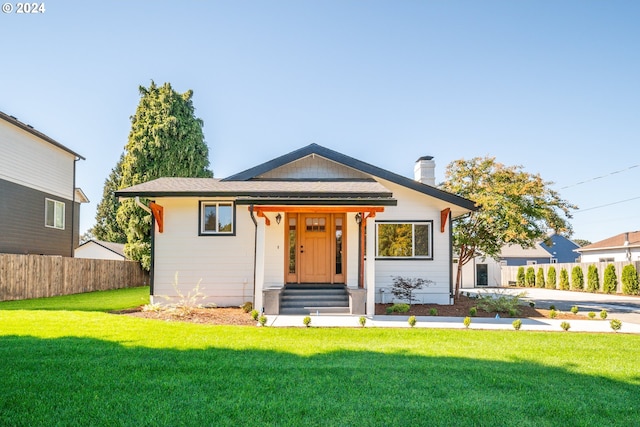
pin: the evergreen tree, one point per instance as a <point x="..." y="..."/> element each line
<point x="520" y="278"/>
<point x="540" y="278"/>
<point x="564" y="279"/>
<point x="610" y="285"/>
<point x="107" y="227"/>
<point x="577" y="278"/>
<point x="630" y="280"/>
<point x="551" y="278"/>
<point x="593" y="280"/>
<point x="530" y="277"/>
<point x="166" y="140"/>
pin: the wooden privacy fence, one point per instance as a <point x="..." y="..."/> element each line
<point x="509" y="274"/>
<point x="38" y="276"/>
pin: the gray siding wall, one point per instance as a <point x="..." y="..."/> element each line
<point x="22" y="218"/>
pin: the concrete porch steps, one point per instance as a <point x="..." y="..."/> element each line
<point x="314" y="299"/>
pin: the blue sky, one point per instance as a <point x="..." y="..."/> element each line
<point x="553" y="86"/>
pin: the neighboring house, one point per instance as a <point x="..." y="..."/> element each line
<point x="485" y="271"/>
<point x="622" y="247"/>
<point x="296" y="229"/>
<point x="40" y="209"/>
<point x="98" y="249"/>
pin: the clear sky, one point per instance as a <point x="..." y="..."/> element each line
<point x="553" y="86"/>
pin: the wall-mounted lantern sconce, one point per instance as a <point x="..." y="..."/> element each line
<point x="358" y="218"/>
<point x="278" y="218"/>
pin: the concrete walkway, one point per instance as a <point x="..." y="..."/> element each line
<point x="623" y="308"/>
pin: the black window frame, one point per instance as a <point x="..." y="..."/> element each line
<point x="429" y="257"/>
<point x="204" y="203"/>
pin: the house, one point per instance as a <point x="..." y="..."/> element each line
<point x="98" y="249"/>
<point x="485" y="271"/>
<point x="313" y="230"/>
<point x="40" y="209"/>
<point x="621" y="247"/>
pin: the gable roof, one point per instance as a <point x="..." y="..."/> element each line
<point x="283" y="192"/>
<point x="28" y="128"/>
<point x="517" y="251"/>
<point x="315" y="149"/>
<point x="116" y="248"/>
<point x="615" y="242"/>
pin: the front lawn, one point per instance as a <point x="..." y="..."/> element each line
<point x="93" y="368"/>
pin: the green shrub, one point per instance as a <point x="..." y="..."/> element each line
<point x="412" y="321"/>
<point x="577" y="278"/>
<point x="433" y="312"/>
<point x="255" y="314"/>
<point x="615" y="324"/>
<point x="501" y="303"/>
<point x="530" y="277"/>
<point x="565" y="325"/>
<point x="307" y="321"/>
<point x="593" y="280"/>
<point x="553" y="314"/>
<point x="473" y="311"/>
<point x="467" y="322"/>
<point x="520" y="280"/>
<point x="574" y="309"/>
<point x="610" y="285"/>
<point x="564" y="279"/>
<point x="591" y="315"/>
<point x="630" y="280"/>
<point x="389" y="310"/>
<point x="513" y="312"/>
<point x="552" y="307"/>
<point x="400" y="308"/>
<point x="263" y="320"/>
<point x="247" y="306"/>
<point x="551" y="278"/>
<point x="603" y="314"/>
<point x="540" y="278"/>
<point x="532" y="304"/>
<point x="517" y="324"/>
<point x="363" y="321"/>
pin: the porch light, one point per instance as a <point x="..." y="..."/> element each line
<point x="278" y="218"/>
<point x="358" y="218"/>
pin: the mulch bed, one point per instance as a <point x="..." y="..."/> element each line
<point x="237" y="317"/>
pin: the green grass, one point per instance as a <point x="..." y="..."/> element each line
<point x="93" y="368"/>
<point x="92" y="301"/>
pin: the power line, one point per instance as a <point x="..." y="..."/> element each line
<point x="600" y="177"/>
<point x="608" y="204"/>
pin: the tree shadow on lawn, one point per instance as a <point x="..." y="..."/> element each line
<point x="83" y="381"/>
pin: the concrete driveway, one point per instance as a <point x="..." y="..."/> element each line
<point x="622" y="307"/>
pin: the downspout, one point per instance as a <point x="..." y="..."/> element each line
<point x="255" y="251"/>
<point x="73" y="207"/>
<point x="451" y="296"/>
<point x="153" y="229"/>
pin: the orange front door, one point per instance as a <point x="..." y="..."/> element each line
<point x="315" y="248"/>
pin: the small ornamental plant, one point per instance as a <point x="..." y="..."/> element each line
<point x="473" y="311"/>
<point x="255" y="314"/>
<point x="532" y="304"/>
<point x="565" y="326"/>
<point x="467" y="322"/>
<point x="262" y="320"/>
<point x="615" y="324"/>
<point x="552" y="307"/>
<point x="574" y="309"/>
<point x="363" y="321"/>
<point x="591" y="315"/>
<point x="433" y="311"/>
<point x="603" y="314"/>
<point x="412" y="321"/>
<point x="553" y="314"/>
<point x="247" y="307"/>
<point x="307" y="321"/>
<point x="517" y="324"/>
<point x="513" y="312"/>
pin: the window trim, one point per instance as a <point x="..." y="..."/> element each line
<point x="56" y="203"/>
<point x="428" y="222"/>
<point x="204" y="203"/>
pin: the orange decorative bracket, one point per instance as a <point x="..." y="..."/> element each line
<point x="444" y="215"/>
<point x="261" y="214"/>
<point x="158" y="214"/>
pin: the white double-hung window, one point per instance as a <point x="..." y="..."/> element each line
<point x="54" y="214"/>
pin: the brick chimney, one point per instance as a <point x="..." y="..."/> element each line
<point x="424" y="170"/>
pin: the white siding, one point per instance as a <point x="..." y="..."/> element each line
<point x="313" y="167"/>
<point x="414" y="206"/>
<point x="618" y="255"/>
<point x="222" y="264"/>
<point x="92" y="250"/>
<point x="34" y="163"/>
